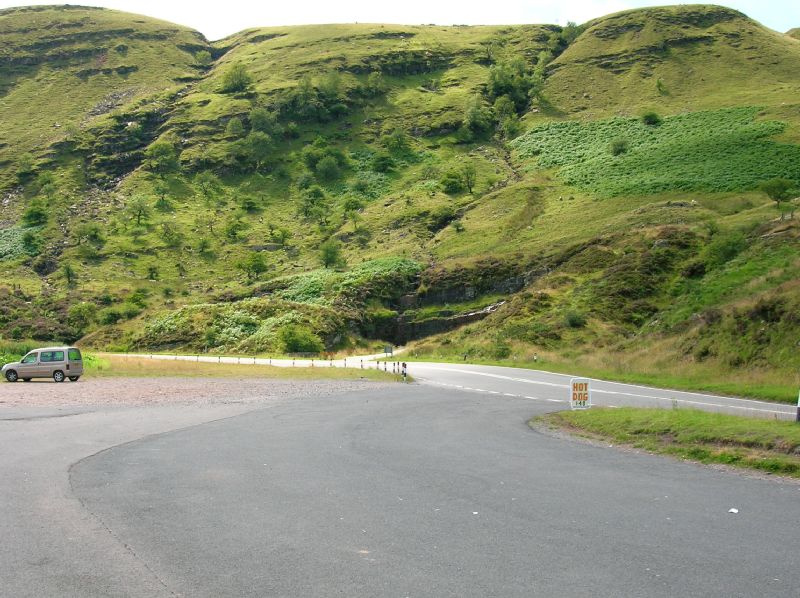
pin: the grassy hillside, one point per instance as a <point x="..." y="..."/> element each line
<point x="65" y="68"/>
<point x="584" y="193"/>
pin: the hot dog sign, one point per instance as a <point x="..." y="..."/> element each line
<point x="580" y="395"/>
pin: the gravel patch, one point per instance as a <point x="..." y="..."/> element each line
<point x="156" y="391"/>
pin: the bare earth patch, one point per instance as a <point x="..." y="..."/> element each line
<point x="168" y="390"/>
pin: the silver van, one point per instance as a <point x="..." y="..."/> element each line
<point x="57" y="363"/>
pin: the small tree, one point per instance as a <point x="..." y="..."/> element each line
<point x="263" y="120"/>
<point x="236" y="79"/>
<point x="253" y="266"/>
<point x="235" y="128"/>
<point x="89" y="232"/>
<point x="208" y="184"/>
<point x="280" y="236"/>
<point x="257" y="147"/>
<point x="68" y="272"/>
<point x="331" y="253"/>
<point x="779" y="191"/>
<point x="396" y="141"/>
<point x="375" y="85"/>
<point x="312" y="199"/>
<point x="352" y="207"/>
<point x="171" y="234"/>
<point x="161" y="158"/>
<point x="469" y="176"/>
<point x="139" y="209"/>
<point x="328" y="169"/>
<point x="82" y="315"/>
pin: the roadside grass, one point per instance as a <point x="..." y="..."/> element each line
<point x="108" y="365"/>
<point x="769" y="446"/>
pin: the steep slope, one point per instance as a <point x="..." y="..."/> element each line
<point x="199" y="213"/>
<point x="795" y="33"/>
<point x="678" y="58"/>
<point x="63" y="68"/>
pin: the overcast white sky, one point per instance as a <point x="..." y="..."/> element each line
<point x="220" y="18"/>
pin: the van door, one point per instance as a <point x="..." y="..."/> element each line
<point x="74" y="362"/>
<point x="28" y="365"/>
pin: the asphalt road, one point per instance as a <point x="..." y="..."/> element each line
<point x="420" y="491"/>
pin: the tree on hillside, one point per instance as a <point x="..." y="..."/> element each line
<point x="68" y="272"/>
<point x="469" y="176"/>
<point x="779" y="191"/>
<point x="330" y="253"/>
<point x="236" y="79"/>
<point x="311" y="201"/>
<point x="209" y="185"/>
<point x="35" y="215"/>
<point x="162" y="158"/>
<point x="257" y="147"/>
<point x="235" y="128"/>
<point x="139" y="209"/>
<point x="253" y="266"/>
<point x="265" y="121"/>
<point x="352" y="208"/>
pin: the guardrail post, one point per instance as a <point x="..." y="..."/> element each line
<point x="362" y="364"/>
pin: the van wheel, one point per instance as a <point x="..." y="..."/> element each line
<point x="73" y="378"/>
<point x="58" y="376"/>
<point x="11" y="376"/>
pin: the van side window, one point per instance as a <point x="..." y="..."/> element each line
<point x="58" y="355"/>
<point x="29" y="358"/>
<point x="74" y="355"/>
<point x="47" y="356"/>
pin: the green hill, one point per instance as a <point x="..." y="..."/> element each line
<point x="489" y="191"/>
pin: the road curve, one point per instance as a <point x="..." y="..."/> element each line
<point x="424" y="491"/>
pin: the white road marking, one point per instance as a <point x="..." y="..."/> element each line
<point x="629" y="394"/>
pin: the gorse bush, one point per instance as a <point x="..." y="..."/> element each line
<point x="716" y="151"/>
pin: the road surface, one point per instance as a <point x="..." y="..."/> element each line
<point x="526" y="384"/>
<point x="418" y="490"/>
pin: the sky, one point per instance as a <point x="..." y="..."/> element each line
<point x="220" y="18"/>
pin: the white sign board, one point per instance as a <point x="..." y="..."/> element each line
<point x="580" y="394"/>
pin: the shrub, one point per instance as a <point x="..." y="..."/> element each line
<point x="35" y="215"/>
<point x="382" y="163"/>
<point x="575" y="319"/>
<point x="236" y="79"/>
<point x="618" y="147"/>
<point x="235" y="127"/>
<point x="452" y="182"/>
<point x="331" y="253"/>
<point x="651" y="119"/>
<point x="299" y="339"/>
<point x="203" y="57"/>
<point x="109" y="316"/>
<point x="328" y="169"/>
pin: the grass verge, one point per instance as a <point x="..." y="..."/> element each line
<point x="109" y="365"/>
<point x="763" y="445"/>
